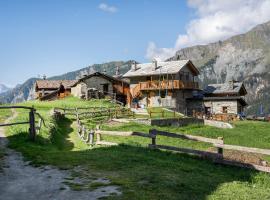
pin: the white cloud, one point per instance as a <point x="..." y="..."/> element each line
<point x="107" y="8"/>
<point x="216" y="20"/>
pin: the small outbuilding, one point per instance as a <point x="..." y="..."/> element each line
<point x="226" y="98"/>
<point x="100" y="85"/>
<point x="53" y="89"/>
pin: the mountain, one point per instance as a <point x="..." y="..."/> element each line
<point x="25" y="91"/>
<point x="3" y="88"/>
<point x="244" y="57"/>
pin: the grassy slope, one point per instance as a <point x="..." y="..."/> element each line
<point x="148" y="174"/>
<point x="4" y="114"/>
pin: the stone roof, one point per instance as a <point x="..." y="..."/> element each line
<point x="54" y="84"/>
<point x="225" y="88"/>
<point x="108" y="77"/>
<point x="171" y="67"/>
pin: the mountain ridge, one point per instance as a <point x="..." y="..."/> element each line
<point x="244" y="57"/>
<point x="4" y="88"/>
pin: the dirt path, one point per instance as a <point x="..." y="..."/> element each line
<point x="19" y="180"/>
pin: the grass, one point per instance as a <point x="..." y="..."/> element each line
<point x="159" y="112"/>
<point x="244" y="133"/>
<point x="143" y="173"/>
<point x="4" y="114"/>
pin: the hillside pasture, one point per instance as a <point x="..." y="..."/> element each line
<point x="144" y="173"/>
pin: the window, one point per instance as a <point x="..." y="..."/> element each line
<point x="225" y="109"/>
<point x="162" y="94"/>
<point x="106" y="88"/>
<point x="208" y="110"/>
<point x="181" y="76"/>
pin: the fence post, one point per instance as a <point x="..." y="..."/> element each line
<point x="32" y="128"/>
<point x="153" y="134"/>
<point x="219" y="149"/>
<point x="39" y="125"/>
<point x="83" y="131"/>
<point x="98" y="134"/>
<point x="91" y="137"/>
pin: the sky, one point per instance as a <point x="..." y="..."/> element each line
<point x="53" y="37"/>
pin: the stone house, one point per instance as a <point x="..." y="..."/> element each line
<point x="52" y="89"/>
<point x="227" y="98"/>
<point x="100" y="85"/>
<point x="162" y="84"/>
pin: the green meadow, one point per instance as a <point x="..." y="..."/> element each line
<point x="143" y="173"/>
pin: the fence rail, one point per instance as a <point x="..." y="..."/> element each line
<point x="88" y="136"/>
<point x="33" y="129"/>
<point x="216" y="157"/>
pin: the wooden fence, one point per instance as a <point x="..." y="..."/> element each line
<point x="96" y="111"/>
<point x="33" y="129"/>
<point x="86" y="134"/>
<point x="216" y="157"/>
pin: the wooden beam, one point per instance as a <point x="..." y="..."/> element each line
<point x="106" y="143"/>
<point x="204" y="154"/>
<point x="15" y="123"/>
<point x="115" y="133"/>
<point x="11" y="107"/>
<point x="189" y="137"/>
<point x="244" y="149"/>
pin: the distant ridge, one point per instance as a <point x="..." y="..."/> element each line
<point x="25" y="91"/>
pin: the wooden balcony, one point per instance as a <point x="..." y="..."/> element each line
<point x="162" y="85"/>
<point x="171" y="84"/>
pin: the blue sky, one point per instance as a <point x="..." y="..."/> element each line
<point x="56" y="36"/>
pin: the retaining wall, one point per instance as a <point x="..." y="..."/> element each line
<point x="176" y="122"/>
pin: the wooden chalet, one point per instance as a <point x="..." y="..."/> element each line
<point x="53" y="89"/>
<point x="162" y="84"/>
<point x="100" y="85"/>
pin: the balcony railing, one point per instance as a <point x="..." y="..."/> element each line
<point x="171" y="84"/>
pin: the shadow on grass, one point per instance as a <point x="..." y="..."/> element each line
<point x="142" y="173"/>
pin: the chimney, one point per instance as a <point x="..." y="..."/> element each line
<point x="44" y="77"/>
<point x="154" y="66"/>
<point x="134" y="66"/>
<point x="117" y="72"/>
<point x="231" y="84"/>
<point x="104" y="71"/>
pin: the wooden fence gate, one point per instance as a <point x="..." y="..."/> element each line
<point x="32" y="124"/>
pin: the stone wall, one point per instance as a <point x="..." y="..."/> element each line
<point x="98" y="82"/>
<point x="216" y="106"/>
<point x="176" y="122"/>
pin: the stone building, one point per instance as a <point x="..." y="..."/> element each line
<point x="52" y="89"/>
<point x="162" y="84"/>
<point x="227" y="98"/>
<point x="100" y="85"/>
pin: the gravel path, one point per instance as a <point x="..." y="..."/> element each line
<point x="19" y="180"/>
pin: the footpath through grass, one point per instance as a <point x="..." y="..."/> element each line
<point x="4" y="114"/>
<point x="143" y="173"/>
